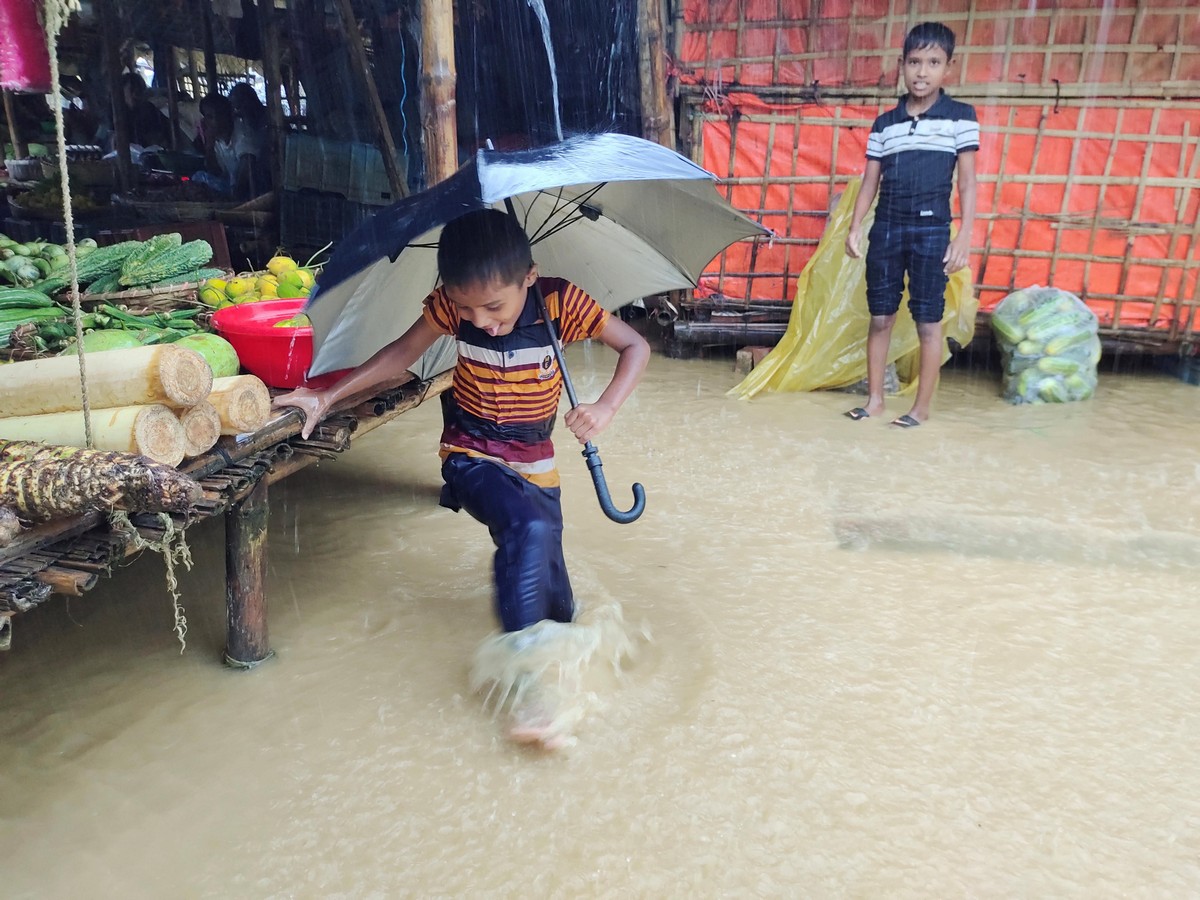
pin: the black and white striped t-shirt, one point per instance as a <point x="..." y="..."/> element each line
<point x="917" y="156"/>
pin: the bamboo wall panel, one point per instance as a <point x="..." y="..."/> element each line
<point x="1147" y="48"/>
<point x="1100" y="200"/>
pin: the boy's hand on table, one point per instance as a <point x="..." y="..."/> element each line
<point x="587" y="420"/>
<point x="314" y="405"/>
<point x="958" y="254"/>
<point x="854" y="242"/>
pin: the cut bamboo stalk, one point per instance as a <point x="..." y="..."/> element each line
<point x="152" y="431"/>
<point x="175" y="376"/>
<point x="242" y="402"/>
<point x="201" y="428"/>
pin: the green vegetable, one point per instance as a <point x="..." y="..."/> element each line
<point x="195" y="276"/>
<point x="1066" y="341"/>
<point x="97" y="264"/>
<point x="160" y="243"/>
<point x="175" y="261"/>
<point x="1046" y="308"/>
<point x="1057" y="365"/>
<point x="1029" y="348"/>
<point x="1007" y="330"/>
<point x="23" y="298"/>
<point x="1052" y="390"/>
<point x="105" y="284"/>
<point x="95" y="341"/>
<point x="217" y="351"/>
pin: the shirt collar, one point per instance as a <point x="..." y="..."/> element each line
<point x="937" y="111"/>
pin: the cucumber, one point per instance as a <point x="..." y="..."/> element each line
<point x="1052" y="390"/>
<point x="1007" y="330"/>
<point x="23" y="298"/>
<point x="1066" y="341"/>
<point x="1057" y="365"/>
<point x="1029" y="348"/>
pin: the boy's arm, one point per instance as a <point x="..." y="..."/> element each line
<point x="958" y="254"/>
<point x="386" y="368"/>
<point x="587" y="420"/>
<point x="862" y="206"/>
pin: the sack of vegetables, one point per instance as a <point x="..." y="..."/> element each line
<point x="1049" y="346"/>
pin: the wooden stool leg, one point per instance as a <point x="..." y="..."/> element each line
<point x="245" y="580"/>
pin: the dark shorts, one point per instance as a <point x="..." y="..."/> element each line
<point x="526" y="525"/>
<point x="895" y="250"/>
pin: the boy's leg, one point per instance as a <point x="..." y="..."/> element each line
<point x="926" y="299"/>
<point x="885" y="284"/>
<point x="525" y="523"/>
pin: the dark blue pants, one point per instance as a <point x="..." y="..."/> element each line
<point x="526" y="525"/>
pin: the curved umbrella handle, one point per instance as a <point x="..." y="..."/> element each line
<point x="596" y="467"/>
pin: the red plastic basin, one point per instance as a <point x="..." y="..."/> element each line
<point x="279" y="356"/>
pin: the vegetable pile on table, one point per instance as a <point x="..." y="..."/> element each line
<point x="32" y="323"/>
<point x="1049" y="344"/>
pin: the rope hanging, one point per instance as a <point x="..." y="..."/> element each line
<point x="54" y="16"/>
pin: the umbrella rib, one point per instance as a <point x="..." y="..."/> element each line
<point x="560" y="205"/>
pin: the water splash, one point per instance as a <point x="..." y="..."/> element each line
<point x="539" y="10"/>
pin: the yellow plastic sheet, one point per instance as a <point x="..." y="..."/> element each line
<point x="825" y="345"/>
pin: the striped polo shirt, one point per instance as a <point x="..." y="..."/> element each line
<point x="504" y="398"/>
<point x="917" y="156"/>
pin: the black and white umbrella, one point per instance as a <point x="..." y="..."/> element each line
<point x="619" y="216"/>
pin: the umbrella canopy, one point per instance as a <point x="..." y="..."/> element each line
<point x="619" y="216"/>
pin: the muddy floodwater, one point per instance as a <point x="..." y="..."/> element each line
<point x="955" y="661"/>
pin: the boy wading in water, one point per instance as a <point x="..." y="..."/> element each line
<point x="912" y="154"/>
<point x="497" y="457"/>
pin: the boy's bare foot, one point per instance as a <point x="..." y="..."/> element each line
<point x="535" y="719"/>
<point x="864" y="412"/>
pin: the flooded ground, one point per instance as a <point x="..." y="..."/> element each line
<point x="957" y="661"/>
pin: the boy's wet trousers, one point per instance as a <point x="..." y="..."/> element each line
<point x="526" y="525"/>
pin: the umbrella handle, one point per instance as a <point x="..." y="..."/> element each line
<point x="622" y="517"/>
<point x="590" y="453"/>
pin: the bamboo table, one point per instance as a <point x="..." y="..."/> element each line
<point x="68" y="556"/>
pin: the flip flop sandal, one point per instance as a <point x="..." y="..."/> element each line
<point x="857" y="414"/>
<point x="906" y="421"/>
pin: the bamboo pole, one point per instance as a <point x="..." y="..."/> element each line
<point x="272" y="74"/>
<point x="152" y="431"/>
<point x="211" y="75"/>
<point x="201" y="428"/>
<point x="438" y="80"/>
<point x="173" y="100"/>
<point x="246" y="642"/>
<point x="110" y="34"/>
<point x="362" y="68"/>
<point x="165" y="373"/>
<point x="242" y="403"/>
<point x="14" y="132"/>
<point x="657" y="120"/>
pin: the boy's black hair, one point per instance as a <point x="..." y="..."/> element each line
<point x="482" y="247"/>
<point x="929" y="34"/>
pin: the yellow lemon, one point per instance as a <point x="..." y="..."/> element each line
<point x="248" y="297"/>
<point x="212" y="296"/>
<point x="266" y="282"/>
<point x="277" y="265"/>
<point x="236" y="287"/>
<point x="218" y="283"/>
<point x="307" y="280"/>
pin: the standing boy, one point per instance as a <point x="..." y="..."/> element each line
<point x="913" y="152"/>
<point x="497" y="458"/>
